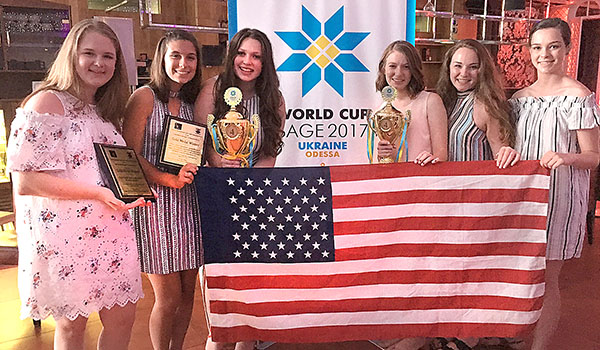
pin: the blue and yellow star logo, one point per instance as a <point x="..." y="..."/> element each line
<point x="327" y="47"/>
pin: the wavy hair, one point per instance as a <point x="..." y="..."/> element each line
<point x="417" y="82"/>
<point x="266" y="87"/>
<point x="488" y="90"/>
<point x="159" y="80"/>
<point x="111" y="97"/>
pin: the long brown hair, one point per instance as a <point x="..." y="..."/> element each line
<point x="266" y="87"/>
<point x="488" y="90"/>
<point x="159" y="80"/>
<point x="111" y="97"/>
<point x="417" y="82"/>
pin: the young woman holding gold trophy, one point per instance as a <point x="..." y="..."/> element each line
<point x="425" y="136"/>
<point x="253" y="136"/>
<point x="412" y="126"/>
<point x="250" y="71"/>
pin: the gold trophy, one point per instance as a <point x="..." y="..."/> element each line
<point x="389" y="123"/>
<point x="233" y="136"/>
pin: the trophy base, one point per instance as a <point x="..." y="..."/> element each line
<point x="386" y="160"/>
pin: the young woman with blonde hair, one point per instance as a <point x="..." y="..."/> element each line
<point x="479" y="122"/>
<point x="426" y="139"/>
<point x="480" y="126"/>
<point x="77" y="248"/>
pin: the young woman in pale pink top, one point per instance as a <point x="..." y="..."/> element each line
<point x="427" y="133"/>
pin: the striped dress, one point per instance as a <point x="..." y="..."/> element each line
<point x="249" y="107"/>
<point x="550" y="123"/>
<point x="168" y="231"/>
<point x="465" y="140"/>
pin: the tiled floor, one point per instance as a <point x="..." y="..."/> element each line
<point x="579" y="325"/>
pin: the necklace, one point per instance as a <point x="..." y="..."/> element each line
<point x="173" y="94"/>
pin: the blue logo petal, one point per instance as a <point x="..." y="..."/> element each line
<point x="335" y="24"/>
<point x="295" y="40"/>
<point x="310" y="78"/>
<point x="350" y="63"/>
<point x="310" y="25"/>
<point x="335" y="78"/>
<point x="294" y="63"/>
<point x="349" y="41"/>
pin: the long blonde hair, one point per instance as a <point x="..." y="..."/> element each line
<point x="111" y="97"/>
<point x="488" y="89"/>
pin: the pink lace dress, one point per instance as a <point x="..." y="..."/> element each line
<point x="75" y="256"/>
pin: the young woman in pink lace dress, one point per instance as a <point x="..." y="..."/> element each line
<point x="77" y="248"/>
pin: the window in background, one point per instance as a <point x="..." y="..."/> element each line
<point x="33" y="36"/>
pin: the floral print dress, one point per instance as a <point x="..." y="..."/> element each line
<point x="75" y="256"/>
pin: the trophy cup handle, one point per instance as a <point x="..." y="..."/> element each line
<point x="214" y="133"/>
<point x="371" y="121"/>
<point x="254" y="128"/>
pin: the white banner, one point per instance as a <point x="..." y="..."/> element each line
<point x="326" y="54"/>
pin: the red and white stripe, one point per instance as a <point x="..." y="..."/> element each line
<point x="453" y="249"/>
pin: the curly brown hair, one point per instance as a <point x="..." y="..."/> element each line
<point x="266" y="87"/>
<point x="488" y="90"/>
<point x="417" y="82"/>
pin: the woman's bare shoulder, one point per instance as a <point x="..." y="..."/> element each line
<point x="45" y="102"/>
<point x="524" y="92"/>
<point x="208" y="85"/>
<point x="575" y="88"/>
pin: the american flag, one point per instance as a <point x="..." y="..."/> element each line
<point x="373" y="251"/>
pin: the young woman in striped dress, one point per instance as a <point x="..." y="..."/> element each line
<point x="479" y="123"/>
<point x="249" y="66"/>
<point x="557" y="123"/>
<point x="168" y="233"/>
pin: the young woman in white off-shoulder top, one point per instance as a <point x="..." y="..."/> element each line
<point x="557" y="123"/>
